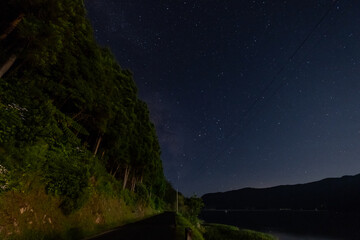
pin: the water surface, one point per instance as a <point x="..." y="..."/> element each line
<point x="292" y="225"/>
<point x="287" y="236"/>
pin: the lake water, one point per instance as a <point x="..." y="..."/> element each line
<point x="292" y="225"/>
<point x="286" y="236"/>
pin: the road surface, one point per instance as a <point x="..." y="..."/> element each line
<point x="159" y="227"/>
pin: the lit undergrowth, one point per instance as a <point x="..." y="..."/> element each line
<point x="226" y="232"/>
<point x="181" y="224"/>
<point x="30" y="213"/>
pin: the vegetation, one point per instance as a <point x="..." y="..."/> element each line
<point x="182" y="223"/>
<point x="33" y="214"/>
<point x="78" y="153"/>
<point x="226" y="232"/>
<point x="73" y="133"/>
<point x="216" y="231"/>
<point x="188" y="219"/>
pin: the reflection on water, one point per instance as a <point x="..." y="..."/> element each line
<point x="292" y="225"/>
<point x="286" y="236"/>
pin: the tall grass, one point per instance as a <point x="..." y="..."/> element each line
<point x="226" y="232"/>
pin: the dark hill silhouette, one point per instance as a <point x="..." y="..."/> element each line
<point x="335" y="194"/>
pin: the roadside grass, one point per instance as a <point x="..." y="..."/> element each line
<point x="181" y="224"/>
<point x="211" y="231"/>
<point x="226" y="232"/>
<point x="30" y="213"/>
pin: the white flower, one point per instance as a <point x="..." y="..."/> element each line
<point x="21" y="110"/>
<point x="3" y="180"/>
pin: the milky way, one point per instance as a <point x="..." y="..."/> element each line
<point x="201" y="66"/>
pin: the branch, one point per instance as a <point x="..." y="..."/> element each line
<point x="12" y="26"/>
<point x="8" y="65"/>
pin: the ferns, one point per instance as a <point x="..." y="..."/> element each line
<point x="10" y="122"/>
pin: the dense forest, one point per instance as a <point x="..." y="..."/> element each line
<point x="70" y="118"/>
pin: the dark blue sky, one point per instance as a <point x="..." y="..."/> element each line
<point x="200" y="66"/>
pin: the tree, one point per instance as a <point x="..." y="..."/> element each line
<point x="194" y="206"/>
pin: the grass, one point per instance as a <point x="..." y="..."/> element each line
<point x="35" y="215"/>
<point x="217" y="232"/>
<point x="226" y="232"/>
<point x="181" y="224"/>
<point x="211" y="231"/>
<point x="32" y="214"/>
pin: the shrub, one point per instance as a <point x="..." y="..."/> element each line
<point x="193" y="206"/>
<point x="142" y="194"/>
<point x="68" y="177"/>
<point x="128" y="196"/>
<point x="10" y="122"/>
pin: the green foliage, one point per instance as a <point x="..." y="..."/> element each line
<point x="226" y="232"/>
<point x="142" y="193"/>
<point x="128" y="196"/>
<point x="170" y="197"/>
<point x="10" y="122"/>
<point x="193" y="207"/>
<point x="66" y="176"/>
<point x="65" y="97"/>
<point x="181" y="224"/>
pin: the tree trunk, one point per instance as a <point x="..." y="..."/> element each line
<point x="8" y="65"/>
<point x="126" y="176"/>
<point x="133" y="183"/>
<point x="12" y="26"/>
<point x="114" y="174"/>
<point x="97" y="145"/>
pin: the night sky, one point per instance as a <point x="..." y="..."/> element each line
<point x="231" y="106"/>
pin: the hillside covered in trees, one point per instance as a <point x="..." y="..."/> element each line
<point x="72" y="128"/>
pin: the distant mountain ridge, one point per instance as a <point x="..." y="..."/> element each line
<point x="335" y="194"/>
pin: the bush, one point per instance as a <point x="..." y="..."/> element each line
<point x="158" y="204"/>
<point x="128" y="196"/>
<point x="10" y="122"/>
<point x="193" y="206"/>
<point x="142" y="194"/>
<point x="68" y="177"/>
